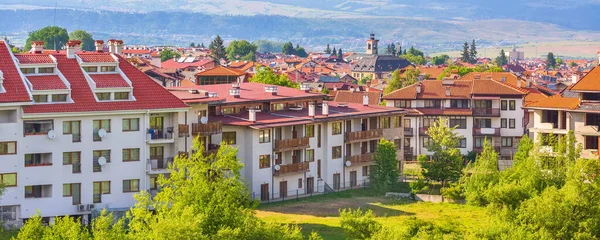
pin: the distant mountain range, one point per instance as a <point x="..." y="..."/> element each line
<point x="434" y="25"/>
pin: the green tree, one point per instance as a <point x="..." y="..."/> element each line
<point x="168" y="53"/>
<point x="411" y="76"/>
<point x="300" y="52"/>
<point x="241" y="50"/>
<point x="340" y="53"/>
<point x="550" y="60"/>
<point x="267" y="76"/>
<point x="501" y="60"/>
<point x="328" y="49"/>
<point x="358" y="224"/>
<point x="440" y="60"/>
<point x="559" y="61"/>
<point x="465" y="56"/>
<point x="268" y="46"/>
<point x="478" y="176"/>
<point x="399" y="50"/>
<point x="33" y="228"/>
<point x="413" y="51"/>
<point x="217" y="50"/>
<point x="104" y="227"/>
<point x="364" y="80"/>
<point x="192" y="45"/>
<point x="473" y="53"/>
<point x="87" y="42"/>
<point x="288" y="49"/>
<point x="446" y="163"/>
<point x="202" y="45"/>
<point x="334" y="52"/>
<point x="384" y="173"/>
<point x="54" y="37"/>
<point x="573" y="64"/>
<point x="414" y="59"/>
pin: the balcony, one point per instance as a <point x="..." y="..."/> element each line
<point x="408" y="153"/>
<point x="97" y="198"/>
<point x="508" y="151"/>
<point x="480" y="149"/>
<point x="38" y="191"/>
<point x="408" y="132"/>
<point x="423" y="130"/>
<point x="486" y="131"/>
<point x="159" y="163"/>
<point x="183" y="130"/>
<point x="212" y="149"/>
<point x="300" y="167"/>
<point x="38" y="160"/>
<point x="486" y="112"/>
<point x="360" y="159"/>
<point x="158" y="136"/>
<point x="363" y="135"/>
<point x="209" y="128"/>
<point x="291" y="144"/>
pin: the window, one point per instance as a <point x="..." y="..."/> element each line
<point x="503" y="105"/>
<point x="40" y="98"/>
<point x="397" y="121"/>
<point x="592" y="119"/>
<point x="27" y="70"/>
<point x="483" y="123"/>
<point x="507" y="142"/>
<point x="67" y="190"/>
<point x="407" y="123"/>
<point x="511" y="123"/>
<point x="455" y="103"/>
<point x="264" y="136"/>
<point x="230" y="110"/>
<point x="101" y="124"/>
<point x="46" y="70"/>
<point x="512" y="105"/>
<point x="264" y="161"/>
<point x="336" y="152"/>
<point x="365" y="171"/>
<point x="122" y="96"/>
<point x="229" y="138"/>
<point x="384" y="122"/>
<point x="70" y="127"/>
<point x="9" y="179"/>
<point x="103" y="96"/>
<point x="310" y="131"/>
<point x="71" y="158"/>
<point x="107" y="68"/>
<point x="132" y="185"/>
<point x="433" y="103"/>
<point x="8" y="213"/>
<point x="483" y="104"/>
<point x="310" y="155"/>
<point x="7" y="148"/>
<point x="402" y="103"/>
<point x="591" y="142"/>
<point x="428" y="121"/>
<point x="277" y="107"/>
<point x="38" y="127"/>
<point x="131" y="154"/>
<point x="336" y="128"/>
<point x="462" y="143"/>
<point x="458" y="122"/>
<point x="406" y="142"/>
<point x="299" y="182"/>
<point x="90" y="69"/>
<point x="38" y="159"/>
<point x="102" y="153"/>
<point x="478" y="142"/>
<point x="503" y="123"/>
<point x="153" y="182"/>
<point x="131" y="124"/>
<point x="427" y="141"/>
<point x="99" y="189"/>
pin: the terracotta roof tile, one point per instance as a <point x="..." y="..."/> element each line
<point x="109" y="80"/>
<point x="590" y="82"/>
<point x="221" y="71"/>
<point x="13" y="83"/>
<point x="460" y="89"/>
<point x="95" y="57"/>
<point x="46" y="82"/>
<point x="33" y="58"/>
<point x="357" y="97"/>
<point x="556" y="101"/>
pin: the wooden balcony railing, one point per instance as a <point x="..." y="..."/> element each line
<point x="360" y="159"/>
<point x="209" y="128"/>
<point x="212" y="149"/>
<point x="486" y="131"/>
<point x="408" y="131"/>
<point x="491" y="112"/>
<point x="291" y="144"/>
<point x="300" y="167"/>
<point x="480" y="149"/>
<point x="363" y="135"/>
<point x="183" y="130"/>
<point x="423" y="130"/>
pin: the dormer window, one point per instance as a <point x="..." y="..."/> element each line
<point x="107" y="68"/>
<point x="46" y="70"/>
<point x="105" y="96"/>
<point x="28" y="70"/>
<point x="40" y="98"/>
<point x="90" y="69"/>
<point x="59" y="97"/>
<point x="121" y="95"/>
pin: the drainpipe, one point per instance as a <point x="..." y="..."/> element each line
<point x="418" y="138"/>
<point x="146" y="148"/>
<point x="185" y="145"/>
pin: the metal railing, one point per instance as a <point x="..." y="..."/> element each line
<point x="97" y="197"/>
<point x="309" y="191"/>
<point x="363" y="135"/>
<point x="292" y="168"/>
<point x="486" y="131"/>
<point x="291" y="144"/>
<point x="76" y="167"/>
<point x="209" y="128"/>
<point x="159" y="162"/>
<point x="76" y="137"/>
<point x="159" y="134"/>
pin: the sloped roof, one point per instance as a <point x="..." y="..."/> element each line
<point x="380" y="63"/>
<point x="109" y="80"/>
<point x="460" y="89"/>
<point x="357" y="97"/>
<point x="46" y="82"/>
<point x="13" y="83"/>
<point x="172" y="63"/>
<point x="221" y="71"/>
<point x="33" y="58"/>
<point x="556" y="101"/>
<point x="590" y="82"/>
<point x="96" y="57"/>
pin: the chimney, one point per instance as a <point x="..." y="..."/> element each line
<point x="235" y="90"/>
<point x="325" y="108"/>
<point x="575" y="78"/>
<point x="418" y="88"/>
<point x="447" y="91"/>
<point x="115" y="46"/>
<point x="37" y="47"/>
<point x="73" y="47"/>
<point x="271" y="89"/>
<point x="252" y="115"/>
<point x="365" y="100"/>
<point x="311" y="110"/>
<point x="305" y="87"/>
<point x="99" y="45"/>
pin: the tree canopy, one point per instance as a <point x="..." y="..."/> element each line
<point x="54" y="37"/>
<point x="87" y="41"/>
<point x="440" y="60"/>
<point x="384" y="173"/>
<point x="241" y="50"/>
<point x="501" y="60"/>
<point x="167" y="54"/>
<point x="267" y="76"/>
<point x="550" y="60"/>
<point x="397" y="81"/>
<point x="217" y="50"/>
<point x="447" y="161"/>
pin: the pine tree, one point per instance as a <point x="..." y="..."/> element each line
<point x="392" y="49"/>
<point x="192" y="45"/>
<point x="465" y="55"/>
<point x="334" y="52"/>
<point x="202" y="45"/>
<point x="550" y="60"/>
<point x="328" y="49"/>
<point x="217" y="50"/>
<point x="473" y="52"/>
<point x="288" y="48"/>
<point x="340" y="53"/>
<point x="501" y="60"/>
<point x="399" y="50"/>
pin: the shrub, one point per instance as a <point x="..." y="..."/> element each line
<point x="358" y="224"/>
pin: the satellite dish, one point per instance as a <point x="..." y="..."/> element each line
<point x="204" y="120"/>
<point x="51" y="134"/>
<point x="102" y="161"/>
<point x="348" y="163"/>
<point x="102" y="133"/>
<point x="277" y="167"/>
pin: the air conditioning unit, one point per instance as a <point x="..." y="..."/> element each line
<point x="90" y="207"/>
<point x="81" y="208"/>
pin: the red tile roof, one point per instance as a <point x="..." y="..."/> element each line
<point x="357" y="97"/>
<point x="136" y="51"/>
<point x="556" y="101"/>
<point x="461" y="89"/>
<point x="148" y="94"/>
<point x="221" y="71"/>
<point x="109" y="80"/>
<point x="46" y="82"/>
<point x="95" y="57"/>
<point x="33" y="58"/>
<point x="172" y="63"/>
<point x="589" y="82"/>
<point x="13" y="83"/>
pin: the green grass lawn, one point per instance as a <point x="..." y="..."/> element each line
<point x="320" y="213"/>
<point x="8" y="234"/>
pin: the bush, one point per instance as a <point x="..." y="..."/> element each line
<point x="455" y="192"/>
<point x="358" y="224"/>
<point x="417" y="186"/>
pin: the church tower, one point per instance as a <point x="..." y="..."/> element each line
<point x="372" y="45"/>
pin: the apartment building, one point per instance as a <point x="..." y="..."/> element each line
<point x="479" y="109"/>
<point x="291" y="141"/>
<point x="576" y="109"/>
<point x="79" y="131"/>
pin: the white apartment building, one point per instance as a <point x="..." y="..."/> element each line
<point x="79" y="131"/>
<point x="576" y="109"/>
<point x="479" y="109"/>
<point x="290" y="141"/>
